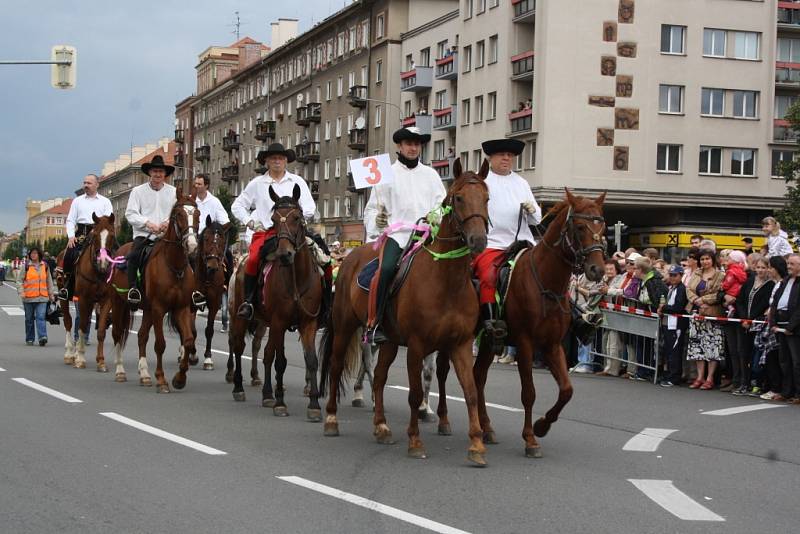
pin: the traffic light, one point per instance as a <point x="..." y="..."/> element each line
<point x="63" y="71"/>
<point x="615" y="235"/>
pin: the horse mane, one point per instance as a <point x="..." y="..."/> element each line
<point x="580" y="204"/>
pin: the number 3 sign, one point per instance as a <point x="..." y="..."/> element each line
<point x="371" y="171"/>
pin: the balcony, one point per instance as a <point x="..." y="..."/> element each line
<point x="522" y="66"/>
<point x="180" y="159"/>
<point x="230" y="173"/>
<point x="308" y="151"/>
<point x="442" y="167"/>
<point x="789" y="16"/>
<point x="524" y="11"/>
<point x="202" y="153"/>
<point x="446" y="118"/>
<point x="423" y="122"/>
<point x="313" y="186"/>
<point x="521" y="122"/>
<point x="265" y="130"/>
<point x="417" y="80"/>
<point x="783" y="133"/>
<point x="308" y="114"/>
<point x="230" y="142"/>
<point x="447" y="68"/>
<point x="357" y="96"/>
<point x="179" y="137"/>
<point x="358" y="139"/>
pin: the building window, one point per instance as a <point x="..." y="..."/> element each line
<point x="668" y="158"/>
<point x="441" y="48"/>
<point x="327" y="169"/>
<point x="712" y="102"/>
<point x="339" y="85"/>
<point x="743" y="162"/>
<point x="782" y="105"/>
<point x="532" y="152"/>
<point x="788" y="50"/>
<point x="745" y="45"/>
<point x="407" y="108"/>
<point x="410" y="62"/>
<point x="744" y="104"/>
<point x="351" y="79"/>
<point x="710" y="160"/>
<point x="480" y="50"/>
<point x="464" y="161"/>
<point x="467" y="59"/>
<point x="670" y="99"/>
<point x="478" y="108"/>
<point x="493" y="3"/>
<point x="338" y="127"/>
<point x="337" y="169"/>
<point x="327" y="130"/>
<point x="328" y="91"/>
<point x="378" y="110"/>
<point x="481" y="6"/>
<point x="465" y="112"/>
<point x="779" y="157"/>
<point x="379" y="71"/>
<point x="467" y="9"/>
<point x="493" y="52"/>
<point x="325" y="203"/>
<point x="425" y="57"/>
<point x="492" y="109"/>
<point x="438" y="150"/>
<point x="441" y="99"/>
<point x="380" y="24"/>
<point x="477" y="158"/>
<point x="713" y="42"/>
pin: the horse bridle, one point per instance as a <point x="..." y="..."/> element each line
<point x="298" y="241"/>
<point x="568" y="241"/>
<point x="92" y="248"/>
<point x="184" y="236"/>
<point x="217" y="233"/>
<point x="459" y="221"/>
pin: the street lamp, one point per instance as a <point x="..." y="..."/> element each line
<point x="63" y="59"/>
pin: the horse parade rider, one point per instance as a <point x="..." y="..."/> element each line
<point x="416" y="191"/>
<point x="148" y="211"/>
<point x="510" y="197"/>
<point x="210" y="206"/>
<point x="253" y="207"/>
<point x="79" y="224"/>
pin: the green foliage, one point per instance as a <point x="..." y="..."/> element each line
<point x="789" y="216"/>
<point x="55" y="245"/>
<point x="14" y="250"/>
<point x="225" y="197"/>
<point x="125" y="232"/>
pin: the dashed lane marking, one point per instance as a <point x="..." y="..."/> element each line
<point x="459" y="399"/>
<point x="163" y="434"/>
<point x="648" y="440"/>
<point x="13" y="310"/>
<point x="47" y="390"/>
<point x="666" y="495"/>
<point x="2" y="370"/>
<point x="372" y="505"/>
<point x="744" y="409"/>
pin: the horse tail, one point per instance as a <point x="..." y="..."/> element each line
<point x="126" y="320"/>
<point x="352" y="357"/>
<point x="326" y="352"/>
<point x="173" y="323"/>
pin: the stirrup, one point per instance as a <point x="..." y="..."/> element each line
<point x="63" y="294"/>
<point x="199" y="300"/>
<point x="134" y="297"/>
<point x="375" y="336"/>
<point x="245" y="311"/>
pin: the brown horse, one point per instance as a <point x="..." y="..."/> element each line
<point x="91" y="273"/>
<point x="538" y="309"/>
<point x="435" y="309"/>
<point x="168" y="282"/>
<point x="291" y="296"/>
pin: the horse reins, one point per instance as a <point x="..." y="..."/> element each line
<point x="293" y="239"/>
<point x="181" y="242"/>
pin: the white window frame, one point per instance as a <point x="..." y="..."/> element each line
<point x="327" y="130"/>
<point x="712" y="100"/>
<point x="378" y="71"/>
<point x="467" y="59"/>
<point x="747" y="45"/>
<point x="338" y="127"/>
<point x="669" y="99"/>
<point x="494" y="46"/>
<point x="708" y="160"/>
<point x="492" y="106"/>
<point x="781" y="160"/>
<point x="337" y="167"/>
<point x="325" y="207"/>
<point x="478" y="109"/>
<point x="480" y="54"/>
<point x="378" y="110"/>
<point x="745" y="94"/>
<point x="339" y="85"/>
<point x="465" y="112"/>
<point x="327" y="170"/>
<point x="380" y="26"/>
<point x="742" y="151"/>
<point x="668" y="150"/>
<point x="715" y="36"/>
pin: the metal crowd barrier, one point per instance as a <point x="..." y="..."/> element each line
<point x="629" y="339"/>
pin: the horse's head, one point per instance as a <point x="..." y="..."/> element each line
<point x="469" y="199"/>
<point x="288" y="220"/>
<point x="184" y="221"/>
<point x="103" y="239"/>
<point x="213" y="242"/>
<point x="583" y="233"/>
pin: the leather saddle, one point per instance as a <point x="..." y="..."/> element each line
<point x="506" y="268"/>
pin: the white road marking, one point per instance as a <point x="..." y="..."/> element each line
<point x="665" y="494"/>
<point x="372" y="505"/>
<point x="744" y="409"/>
<point x="45" y="389"/>
<point x="162" y="434"/>
<point x="647" y="440"/>
<point x="9" y="286"/>
<point x="13" y="310"/>
<point x="226" y="354"/>
<point x="2" y="370"/>
<point x="459" y="399"/>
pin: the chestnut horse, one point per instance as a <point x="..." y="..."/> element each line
<point x="435" y="309"/>
<point x="168" y="282"/>
<point x="291" y="296"/>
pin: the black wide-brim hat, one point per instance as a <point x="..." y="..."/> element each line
<point x="276" y="149"/>
<point x="157" y="163"/>
<point x="515" y="146"/>
<point x="411" y="133"/>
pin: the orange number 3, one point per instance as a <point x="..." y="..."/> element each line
<point x="375" y="174"/>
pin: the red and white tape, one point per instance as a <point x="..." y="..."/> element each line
<point x="697" y="317"/>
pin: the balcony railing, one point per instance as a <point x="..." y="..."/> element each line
<point x="358" y="139"/>
<point x="230" y="142"/>
<point x="308" y="114"/>
<point x="314" y="111"/>
<point x="521" y="121"/>
<point x="447" y="67"/>
<point x="301" y="116"/>
<point x="782" y="132"/>
<point x="357" y="97"/>
<point x="442" y="166"/>
<point x="180" y="159"/>
<point x="524" y="10"/>
<point x="230" y="173"/>
<point x="202" y="153"/>
<point x="265" y="130"/>
<point x="423" y="122"/>
<point x="522" y="66"/>
<point x="179" y="137"/>
<point x="788" y="14"/>
<point x="445" y="118"/>
<point x="419" y="79"/>
<point x="313" y="185"/>
<point x="308" y="151"/>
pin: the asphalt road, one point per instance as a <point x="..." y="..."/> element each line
<point x="66" y="467"/>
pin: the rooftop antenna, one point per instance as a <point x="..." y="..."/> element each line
<point x="237" y="25"/>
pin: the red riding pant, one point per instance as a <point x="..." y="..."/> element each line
<point x="485" y="266"/>
<point x="251" y="267"/>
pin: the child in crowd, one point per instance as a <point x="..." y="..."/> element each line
<point x="777" y="242"/>
<point x="735" y="277"/>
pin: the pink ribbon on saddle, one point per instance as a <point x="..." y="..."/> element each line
<point x="395" y="227"/>
<point x="103" y="255"/>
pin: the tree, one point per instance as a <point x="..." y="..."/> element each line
<point x="125" y="232"/>
<point x="55" y="245"/>
<point x="14" y="250"/>
<point x="225" y="197"/>
<point x="789" y="216"/>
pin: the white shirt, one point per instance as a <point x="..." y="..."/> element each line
<point x="146" y="204"/>
<point x="412" y="194"/>
<point x="778" y="245"/>
<point x="82" y="208"/>
<point x="783" y="302"/>
<point x="254" y="204"/>
<point x="506" y="193"/>
<point x="213" y="207"/>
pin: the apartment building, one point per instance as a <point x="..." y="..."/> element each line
<point x="48" y="224"/>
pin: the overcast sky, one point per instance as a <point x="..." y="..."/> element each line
<point x="135" y="62"/>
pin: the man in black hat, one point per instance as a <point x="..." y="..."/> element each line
<point x="253" y="207"/>
<point x="748" y="245"/>
<point x="416" y="190"/>
<point x="508" y="193"/>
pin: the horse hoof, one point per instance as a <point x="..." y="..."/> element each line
<point x="445" y="430"/>
<point x="102" y="368"/>
<point x="256" y="382"/>
<point x="478" y="459"/>
<point x="418" y="453"/>
<point x="268" y="403"/>
<point x="306" y="391"/>
<point x="313" y="415"/>
<point x="331" y="429"/>
<point x="280" y="411"/>
<point x="69" y="360"/>
<point x="533" y="452"/>
<point x="146" y="381"/>
<point x="238" y="396"/>
<point x="384" y="437"/>
<point x="229" y="377"/>
<point x="162" y="388"/>
<point x="193" y="361"/>
<point x="120" y="377"/>
<point x="80" y="365"/>
<point x="178" y="384"/>
<point x="490" y="438"/>
<point x="357" y="403"/>
<point x="540" y="428"/>
<point x="423" y="415"/>
<point x="208" y="367"/>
